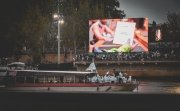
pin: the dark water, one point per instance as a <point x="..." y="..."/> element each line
<point x="145" y="87"/>
<point x="158" y="86"/>
<point x="152" y="95"/>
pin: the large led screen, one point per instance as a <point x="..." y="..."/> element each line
<point x="118" y="35"/>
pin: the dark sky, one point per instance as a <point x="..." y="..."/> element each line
<point x="11" y="12"/>
<point x="153" y="9"/>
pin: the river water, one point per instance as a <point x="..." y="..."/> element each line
<point x="145" y="87"/>
<point x="148" y="97"/>
<point x="158" y="86"/>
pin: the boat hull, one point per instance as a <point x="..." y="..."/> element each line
<point x="72" y="87"/>
<point x="124" y="87"/>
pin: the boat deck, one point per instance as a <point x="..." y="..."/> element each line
<point x="65" y="84"/>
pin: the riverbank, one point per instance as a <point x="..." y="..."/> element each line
<point x="142" y="69"/>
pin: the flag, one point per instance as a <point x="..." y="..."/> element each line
<point x="92" y="67"/>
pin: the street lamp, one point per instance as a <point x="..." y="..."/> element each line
<point x="60" y="21"/>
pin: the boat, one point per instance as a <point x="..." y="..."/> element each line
<point x="3" y="73"/>
<point x="58" y="81"/>
<point x="16" y="66"/>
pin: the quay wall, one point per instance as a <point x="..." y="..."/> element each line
<point x="134" y="68"/>
<point x="137" y="68"/>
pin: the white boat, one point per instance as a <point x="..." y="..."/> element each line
<point x="16" y="66"/>
<point x="3" y="73"/>
<point x="43" y="80"/>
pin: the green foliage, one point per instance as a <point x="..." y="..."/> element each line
<point x="37" y="30"/>
<point x="77" y="13"/>
<point x="33" y="27"/>
<point x="171" y="29"/>
<point x="174" y="21"/>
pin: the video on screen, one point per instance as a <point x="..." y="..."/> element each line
<point x="118" y="35"/>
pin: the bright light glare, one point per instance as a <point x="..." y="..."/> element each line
<point x="55" y="16"/>
<point x="61" y="21"/>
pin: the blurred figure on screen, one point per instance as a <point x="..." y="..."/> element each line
<point x="123" y="48"/>
<point x="141" y="34"/>
<point x="99" y="33"/>
<point x="113" y="24"/>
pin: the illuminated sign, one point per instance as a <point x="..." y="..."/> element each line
<point x="118" y="35"/>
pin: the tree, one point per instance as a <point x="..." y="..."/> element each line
<point x="171" y="29"/>
<point x="33" y="28"/>
<point x="38" y="31"/>
<point x="110" y="8"/>
<point x="78" y="12"/>
<point x="174" y="25"/>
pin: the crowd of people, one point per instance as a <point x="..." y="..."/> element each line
<point x="116" y="77"/>
<point x="135" y="56"/>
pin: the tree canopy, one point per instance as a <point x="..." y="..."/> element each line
<point x="37" y="31"/>
<point x="171" y="29"/>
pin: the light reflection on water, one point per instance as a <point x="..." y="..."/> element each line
<point x="158" y="87"/>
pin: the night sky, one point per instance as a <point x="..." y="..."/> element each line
<point x="153" y="9"/>
<point x="12" y="10"/>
